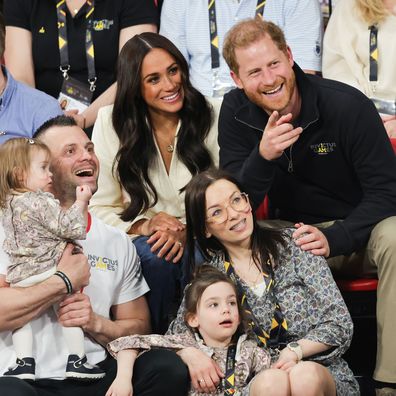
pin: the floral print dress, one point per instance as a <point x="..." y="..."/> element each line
<point x="312" y="305"/>
<point x="249" y="358"/>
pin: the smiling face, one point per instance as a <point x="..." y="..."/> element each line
<point x="238" y="227"/>
<point x="39" y="176"/>
<point x="266" y="75"/>
<point x="217" y="316"/>
<point x="74" y="161"/>
<point x="161" y="85"/>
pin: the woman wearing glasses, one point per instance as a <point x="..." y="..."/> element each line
<point x="289" y="296"/>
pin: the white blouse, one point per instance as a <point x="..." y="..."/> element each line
<point x="111" y="198"/>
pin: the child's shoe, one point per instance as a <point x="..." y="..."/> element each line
<point x="79" y="369"/>
<point x="24" y="369"/>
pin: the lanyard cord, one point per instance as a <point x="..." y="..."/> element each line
<point x="373" y="48"/>
<point x="229" y="379"/>
<point x="214" y="39"/>
<point x="63" y="45"/>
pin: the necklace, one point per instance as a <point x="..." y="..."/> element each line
<point x="244" y="275"/>
<point x="170" y="147"/>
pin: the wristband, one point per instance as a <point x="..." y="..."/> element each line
<point x="67" y="281"/>
<point x="296" y="348"/>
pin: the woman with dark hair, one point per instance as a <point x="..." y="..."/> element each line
<point x="160" y="132"/>
<point x="292" y="304"/>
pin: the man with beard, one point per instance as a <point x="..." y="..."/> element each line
<point x="111" y="305"/>
<point x="319" y="150"/>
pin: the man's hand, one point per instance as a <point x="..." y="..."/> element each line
<point x="278" y="135"/>
<point x="168" y="244"/>
<point x="76" y="311"/>
<point x="75" y="267"/>
<point x="311" y="239"/>
<point x="205" y="374"/>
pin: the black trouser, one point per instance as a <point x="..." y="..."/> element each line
<point x="157" y="372"/>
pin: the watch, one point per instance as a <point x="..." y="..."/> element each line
<point x="296" y="348"/>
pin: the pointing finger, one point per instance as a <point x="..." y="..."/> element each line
<point x="272" y="120"/>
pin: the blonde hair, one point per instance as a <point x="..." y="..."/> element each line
<point x="372" y="11"/>
<point x="15" y="158"/>
<point x="247" y="32"/>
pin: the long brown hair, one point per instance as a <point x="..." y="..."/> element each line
<point x="131" y="123"/>
<point x="15" y="157"/>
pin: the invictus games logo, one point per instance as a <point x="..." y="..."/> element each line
<point x="102" y="263"/>
<point x="323" y="148"/>
<point x="103" y="24"/>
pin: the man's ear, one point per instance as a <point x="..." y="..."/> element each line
<point x="192" y="320"/>
<point x="236" y="79"/>
<point x="290" y="56"/>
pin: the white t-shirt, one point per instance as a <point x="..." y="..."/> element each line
<point x="116" y="278"/>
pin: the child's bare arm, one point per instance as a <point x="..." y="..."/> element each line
<point x="122" y="385"/>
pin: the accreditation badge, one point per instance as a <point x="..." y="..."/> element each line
<point x="74" y="95"/>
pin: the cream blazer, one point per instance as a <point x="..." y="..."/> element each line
<point x="111" y="198"/>
<point x="346" y="51"/>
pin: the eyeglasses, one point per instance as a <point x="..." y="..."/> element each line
<point x="219" y="214"/>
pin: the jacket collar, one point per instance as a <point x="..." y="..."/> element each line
<point x="255" y="117"/>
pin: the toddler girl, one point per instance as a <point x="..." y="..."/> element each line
<point x="213" y="312"/>
<point x="37" y="231"/>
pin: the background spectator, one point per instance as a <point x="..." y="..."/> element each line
<point x="186" y="24"/>
<point x="22" y="108"/>
<point x="32" y="46"/>
<point x="348" y="56"/>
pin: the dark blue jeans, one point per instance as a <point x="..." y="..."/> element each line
<point x="166" y="281"/>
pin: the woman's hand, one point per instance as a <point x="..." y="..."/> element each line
<point x="163" y="222"/>
<point x="120" y="387"/>
<point x="205" y="374"/>
<point x="79" y="118"/>
<point x="286" y="361"/>
<point x="169" y="244"/>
